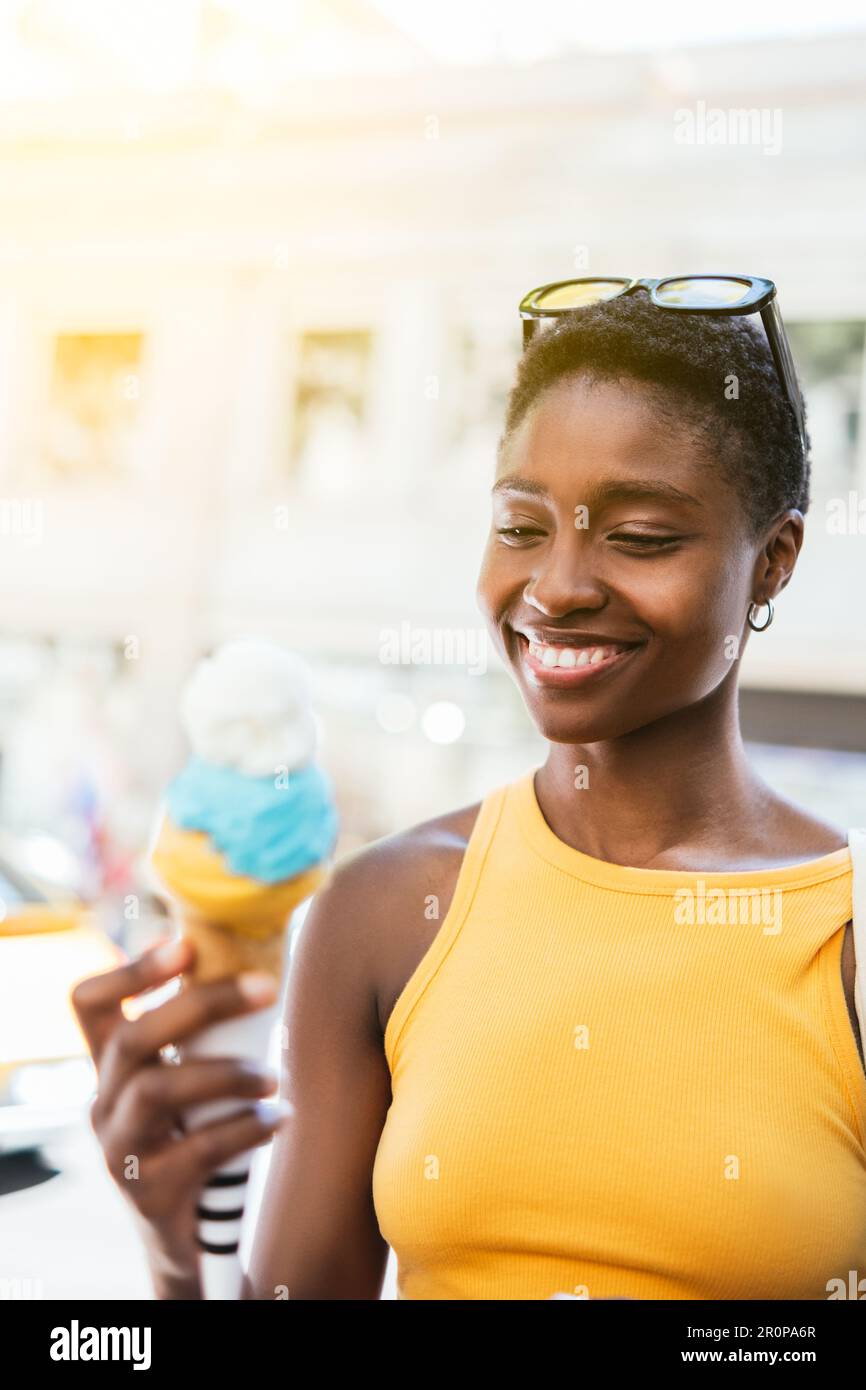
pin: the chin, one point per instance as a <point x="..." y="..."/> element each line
<point x="568" y="726"/>
<point x="566" y="716"/>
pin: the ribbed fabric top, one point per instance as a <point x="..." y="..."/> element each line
<point x="624" y="1082"/>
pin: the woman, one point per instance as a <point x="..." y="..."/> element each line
<point x="595" y="1034"/>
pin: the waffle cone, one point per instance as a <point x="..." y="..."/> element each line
<point x="221" y="952"/>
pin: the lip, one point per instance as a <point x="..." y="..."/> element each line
<point x="559" y="637"/>
<point x="567" y="677"/>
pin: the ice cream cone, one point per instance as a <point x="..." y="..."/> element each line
<point x="245" y="837"/>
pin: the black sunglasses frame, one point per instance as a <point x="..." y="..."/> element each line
<point x="759" y="298"/>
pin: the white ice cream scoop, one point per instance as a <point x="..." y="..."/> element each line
<point x="248" y="707"/>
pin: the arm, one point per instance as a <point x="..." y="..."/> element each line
<point x="317" y="1235"/>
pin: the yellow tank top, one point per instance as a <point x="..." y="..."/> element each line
<point x="629" y="1082"/>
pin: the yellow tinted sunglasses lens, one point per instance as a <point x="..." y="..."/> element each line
<point x="702" y="294"/>
<point x="578" y="294"/>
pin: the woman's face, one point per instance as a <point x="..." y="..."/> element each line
<point x="617" y="553"/>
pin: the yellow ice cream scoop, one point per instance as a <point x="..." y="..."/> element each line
<point x="198" y="878"/>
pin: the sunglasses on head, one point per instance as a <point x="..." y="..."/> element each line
<point x="683" y="294"/>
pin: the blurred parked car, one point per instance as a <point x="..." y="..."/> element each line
<point x="48" y="942"/>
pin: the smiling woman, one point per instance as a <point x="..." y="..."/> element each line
<point x="592" y="1125"/>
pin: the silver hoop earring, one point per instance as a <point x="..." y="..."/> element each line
<point x="752" y="609"/>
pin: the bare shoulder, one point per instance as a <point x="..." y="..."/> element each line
<point x="378" y="899"/>
<point x="401" y="863"/>
<point x="798" y="835"/>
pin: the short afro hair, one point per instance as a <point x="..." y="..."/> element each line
<point x="754" y="439"/>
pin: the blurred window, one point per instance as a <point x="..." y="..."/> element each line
<point x="93" y="405"/>
<point x="331" y="409"/>
<point x="829" y="357"/>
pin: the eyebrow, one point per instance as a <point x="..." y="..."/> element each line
<point x="645" y="489"/>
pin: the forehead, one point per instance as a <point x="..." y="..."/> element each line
<point x="580" y="429"/>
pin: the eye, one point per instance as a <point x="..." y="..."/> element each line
<point x="513" y="535"/>
<point x="640" y="541"/>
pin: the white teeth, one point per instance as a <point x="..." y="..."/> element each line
<point x="569" y="657"/>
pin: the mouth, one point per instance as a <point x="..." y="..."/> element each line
<point x="569" y="663"/>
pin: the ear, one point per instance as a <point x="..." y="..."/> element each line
<point x="780" y="551"/>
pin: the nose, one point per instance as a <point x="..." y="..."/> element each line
<point x="563" y="582"/>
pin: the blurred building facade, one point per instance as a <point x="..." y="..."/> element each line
<point x="257" y="327"/>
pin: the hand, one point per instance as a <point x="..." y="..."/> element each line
<point x="137" y="1112"/>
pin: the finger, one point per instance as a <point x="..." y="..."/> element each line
<point x="97" y="1000"/>
<point x="214" y="1144"/>
<point x="135" y="1042"/>
<point x="182" y="1166"/>
<point x="152" y="1099"/>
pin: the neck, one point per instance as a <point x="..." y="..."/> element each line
<point x="682" y="781"/>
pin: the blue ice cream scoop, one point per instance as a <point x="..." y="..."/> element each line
<point x="268" y="828"/>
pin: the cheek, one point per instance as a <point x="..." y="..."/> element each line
<point x="678" y="598"/>
<point x="696" y="614"/>
<point x="493" y="587"/>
